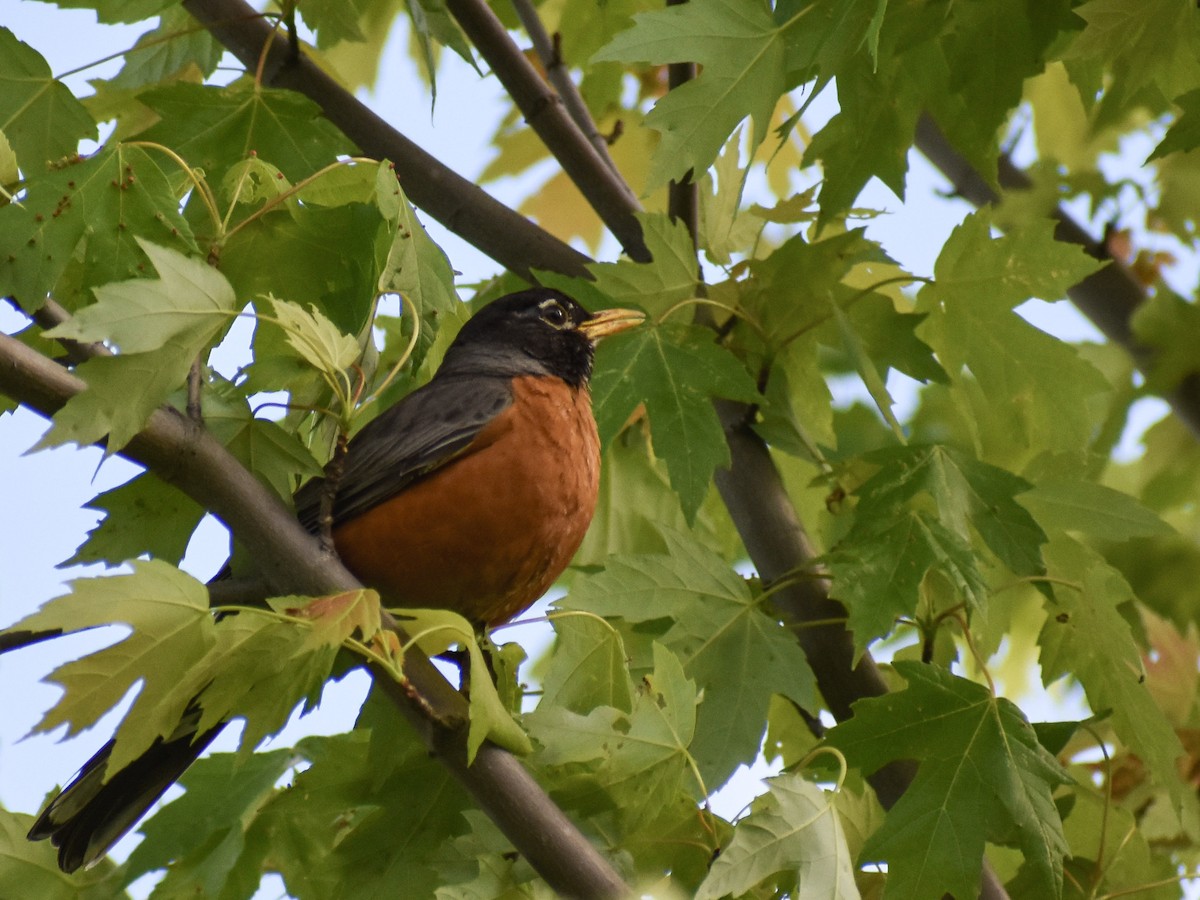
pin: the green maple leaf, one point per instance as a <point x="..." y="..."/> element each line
<point x="145" y="314"/>
<point x="793" y="287"/>
<point x="676" y="370"/>
<point x="10" y="172"/>
<point x="724" y="228"/>
<point x="822" y="291"/>
<point x="332" y="21"/>
<point x="336" y="618"/>
<point x="744" y="53"/>
<point x="164" y="53"/>
<point x="432" y="24"/>
<point x="260" y="666"/>
<point x="1170" y="326"/>
<point x="871" y="134"/>
<point x="655" y="286"/>
<point x="143" y="516"/>
<point x="165" y="323"/>
<point x="314" y="339"/>
<point x="274" y="454"/>
<point x="737" y="654"/>
<point x="328" y="257"/>
<point x="172" y="632"/>
<point x="879" y="566"/>
<point x="972" y="61"/>
<point x="436" y="629"/>
<point x="259" y="669"/>
<point x="889" y="338"/>
<point x="878" y="571"/>
<point x="415" y="267"/>
<point x="1184" y="133"/>
<point x="1085" y="617"/>
<point x="122" y="393"/>
<point x="990" y="49"/>
<point x="38" y="114"/>
<point x="1068" y="504"/>
<point x="30" y="868"/>
<point x="342" y="825"/>
<point x="642" y="757"/>
<point x="635" y="501"/>
<point x="983" y="776"/>
<point x="978" y="281"/>
<point x="1157" y="41"/>
<point x="794" y="828"/>
<point x="214" y="127"/>
<point x="88" y="216"/>
<point x="201" y="837"/>
<point x="588" y="668"/>
<point x="965" y="491"/>
<point x="797" y="412"/>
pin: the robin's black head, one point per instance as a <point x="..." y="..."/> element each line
<point x="540" y="331"/>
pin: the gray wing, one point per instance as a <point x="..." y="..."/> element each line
<point x="405" y="442"/>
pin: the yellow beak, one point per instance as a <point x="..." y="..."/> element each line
<point x="611" y="321"/>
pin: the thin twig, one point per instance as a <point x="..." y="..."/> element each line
<point x="194" y="382"/>
<point x="333" y="478"/>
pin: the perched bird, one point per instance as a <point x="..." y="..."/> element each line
<point x="472" y="493"/>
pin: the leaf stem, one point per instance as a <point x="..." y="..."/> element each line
<point x="869" y="289"/>
<point x="1036" y="579"/>
<point x="704" y="301"/>
<point x="136" y="48"/>
<point x="300" y="185"/>
<point x="404" y="357"/>
<point x="827" y="750"/>
<point x="201" y="185"/>
<point x="979" y="660"/>
<point x="565" y="614"/>
<point x="1142" y="888"/>
<point x="1098" y="868"/>
<point x="415" y="639"/>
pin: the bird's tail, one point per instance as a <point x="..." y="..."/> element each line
<point x="97" y="808"/>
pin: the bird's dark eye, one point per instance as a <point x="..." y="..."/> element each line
<point x="554" y="314"/>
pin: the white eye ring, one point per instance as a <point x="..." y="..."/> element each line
<point x="553" y="313"/>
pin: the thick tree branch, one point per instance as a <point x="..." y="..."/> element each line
<point x="543" y="109"/>
<point x="463" y="207"/>
<point x="182" y="453"/>
<point x="1108" y="298"/>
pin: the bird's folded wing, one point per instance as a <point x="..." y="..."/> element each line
<point x="427" y="429"/>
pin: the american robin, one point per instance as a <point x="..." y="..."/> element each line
<point x="472" y="494"/>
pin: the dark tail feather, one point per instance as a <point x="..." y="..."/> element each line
<point x="93" y="812"/>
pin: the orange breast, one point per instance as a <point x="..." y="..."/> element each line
<point x="487" y="534"/>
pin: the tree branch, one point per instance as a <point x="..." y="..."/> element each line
<point x="548" y="52"/>
<point x="184" y="454"/>
<point x="543" y="109"/>
<point x="460" y="205"/>
<point x="1108" y="298"/>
